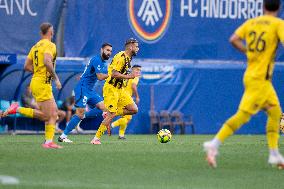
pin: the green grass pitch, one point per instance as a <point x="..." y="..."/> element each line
<point x="139" y="162"/>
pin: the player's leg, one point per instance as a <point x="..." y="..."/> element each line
<point x="74" y="121"/>
<point x="96" y="105"/>
<point x="272" y="133"/>
<point x="81" y="100"/>
<point x="228" y="128"/>
<point x="61" y="116"/>
<point x="111" y="97"/>
<point x="97" y="109"/>
<point x="27" y="112"/>
<point x="129" y="109"/>
<point x="49" y="108"/>
<point x="93" y="113"/>
<point x="103" y="127"/>
<point x="251" y="97"/>
<point x="118" y="122"/>
<point x="273" y="111"/>
<point x="41" y="92"/>
<point x="122" y="124"/>
<point x="68" y="116"/>
<point x="126" y="105"/>
<point x="232" y="125"/>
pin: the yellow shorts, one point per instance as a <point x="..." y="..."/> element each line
<point x="41" y="91"/>
<point x="257" y="95"/>
<point x="116" y="99"/>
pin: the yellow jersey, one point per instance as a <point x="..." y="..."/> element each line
<point x="262" y="35"/>
<point x="120" y="63"/>
<point x="36" y="54"/>
<point x="128" y="87"/>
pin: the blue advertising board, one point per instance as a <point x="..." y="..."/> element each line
<point x="20" y="21"/>
<point x="167" y="29"/>
<point x="8" y="58"/>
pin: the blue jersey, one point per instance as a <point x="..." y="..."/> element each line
<point x="94" y="66"/>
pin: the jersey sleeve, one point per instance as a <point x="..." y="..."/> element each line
<point x="241" y="31"/>
<point x="135" y="81"/>
<point x="280" y="32"/>
<point x="97" y="65"/>
<point x="104" y="69"/>
<point x="50" y="49"/>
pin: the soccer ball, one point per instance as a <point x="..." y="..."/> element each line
<point x="164" y="136"/>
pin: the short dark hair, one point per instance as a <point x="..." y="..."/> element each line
<point x="130" y="40"/>
<point x="136" y="66"/>
<point x="106" y="44"/>
<point x="272" y="5"/>
<point x="44" y="27"/>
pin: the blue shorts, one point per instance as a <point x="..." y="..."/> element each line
<point x="84" y="96"/>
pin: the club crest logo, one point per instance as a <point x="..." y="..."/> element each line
<point x="149" y="19"/>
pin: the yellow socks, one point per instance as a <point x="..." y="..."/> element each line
<point x="224" y="132"/>
<point x="122" y="129"/>
<point x="122" y="123"/>
<point x="272" y="127"/>
<point x="101" y="131"/>
<point x="49" y="132"/>
<point x="27" y="112"/>
<point x="272" y="139"/>
<point x="233" y="124"/>
<point x="116" y="123"/>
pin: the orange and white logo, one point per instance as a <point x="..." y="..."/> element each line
<point x="149" y="19"/>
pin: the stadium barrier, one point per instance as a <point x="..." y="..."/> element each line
<point x="209" y="91"/>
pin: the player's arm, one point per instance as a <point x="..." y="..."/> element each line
<point x="237" y="42"/>
<point x="102" y="76"/>
<point x="29" y="65"/>
<point x="237" y="38"/>
<point x="49" y="67"/>
<point x="117" y="64"/>
<point x="135" y="92"/>
<point x="118" y="75"/>
<point x="101" y="73"/>
<point x="29" y="62"/>
<point x="280" y="32"/>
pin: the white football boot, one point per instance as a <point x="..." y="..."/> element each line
<point x="211" y="153"/>
<point x="66" y="140"/>
<point x="276" y="160"/>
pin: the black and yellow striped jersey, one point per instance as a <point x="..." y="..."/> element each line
<point x="120" y="63"/>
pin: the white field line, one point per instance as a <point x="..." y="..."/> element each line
<point x="8" y="180"/>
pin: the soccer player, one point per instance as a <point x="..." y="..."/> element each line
<point x="28" y="101"/>
<point x="131" y="89"/>
<point x="261" y="35"/>
<point x="41" y="62"/>
<point x="116" y="99"/>
<point x="84" y="93"/>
